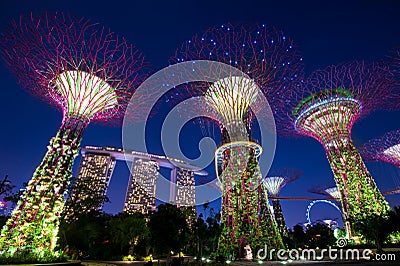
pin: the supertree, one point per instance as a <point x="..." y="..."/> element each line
<point x="87" y="72"/>
<point x="274" y="183"/>
<point x="269" y="62"/>
<point x="337" y="97"/>
<point x="385" y="148"/>
<point x="328" y="191"/>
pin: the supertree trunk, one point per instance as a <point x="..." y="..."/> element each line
<point x="280" y="220"/>
<point x="33" y="226"/>
<point x="360" y="196"/>
<point x="246" y="216"/>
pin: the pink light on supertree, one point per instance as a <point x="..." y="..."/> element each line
<point x="395" y="65"/>
<point x="385" y="148"/>
<point x="269" y="62"/>
<point x="273" y="183"/>
<point x="87" y="72"/>
<point x="326" y="108"/>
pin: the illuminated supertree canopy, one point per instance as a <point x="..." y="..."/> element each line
<point x="231" y="98"/>
<point x="87" y="72"/>
<point x="328" y="191"/>
<point x="326" y="108"/>
<point x="271" y="64"/>
<point x="333" y="192"/>
<point x="273" y="183"/>
<point x="385" y="148"/>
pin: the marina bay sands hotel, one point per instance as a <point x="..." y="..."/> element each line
<point x="96" y="169"/>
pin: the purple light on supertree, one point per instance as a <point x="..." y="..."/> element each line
<point x="272" y="64"/>
<point x="326" y="108"/>
<point x="395" y="65"/>
<point x="87" y="72"/>
<point x="385" y="148"/>
<point x="273" y="183"/>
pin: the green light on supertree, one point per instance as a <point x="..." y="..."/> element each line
<point x="88" y="73"/>
<point x="338" y="96"/>
<point x="246" y="216"/>
<point x="270" y="65"/>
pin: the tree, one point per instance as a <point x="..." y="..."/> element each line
<point x="14" y="197"/>
<point x="377" y="228"/>
<point x="319" y="235"/>
<point x="128" y="231"/>
<point x="297" y="236"/>
<point x="214" y="229"/>
<point x="6" y="187"/>
<point x="394" y="217"/>
<point x="206" y="205"/>
<point x="200" y="231"/>
<point x="168" y="227"/>
<point x="88" y="234"/>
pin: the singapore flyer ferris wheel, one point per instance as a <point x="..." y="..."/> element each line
<point x="309" y="207"/>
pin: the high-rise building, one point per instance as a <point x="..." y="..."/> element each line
<point x="185" y="188"/>
<point x="90" y="185"/>
<point x="186" y="193"/>
<point x="141" y="192"/>
<point x="96" y="169"/>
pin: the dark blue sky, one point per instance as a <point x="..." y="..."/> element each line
<point x="326" y="32"/>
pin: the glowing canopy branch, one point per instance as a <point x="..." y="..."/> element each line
<point x="232" y="97"/>
<point x="274" y="184"/>
<point x="85" y="94"/>
<point x="90" y="75"/>
<point x="333" y="192"/>
<point x="385" y="148"/>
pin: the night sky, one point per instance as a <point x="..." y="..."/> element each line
<point x="326" y="32"/>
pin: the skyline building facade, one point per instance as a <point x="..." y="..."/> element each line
<point x="89" y="190"/>
<point x="141" y="191"/>
<point x="90" y="185"/>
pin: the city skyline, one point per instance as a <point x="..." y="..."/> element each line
<point x="95" y="172"/>
<point x="325" y="35"/>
